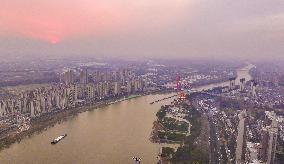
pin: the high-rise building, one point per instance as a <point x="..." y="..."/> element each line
<point x="242" y="85"/>
<point x="106" y="88"/>
<point x="262" y="152"/>
<point x="97" y="76"/>
<point x="129" y="87"/>
<point x="136" y="85"/>
<point x="141" y="84"/>
<point x="116" y="88"/>
<point x="115" y="76"/>
<point x="72" y="95"/>
<point x="84" y="76"/>
<point x="69" y="77"/>
<point x="232" y="83"/>
<point x="90" y="91"/>
<point x="272" y="143"/>
<point x="32" y="109"/>
<point x="2" y="108"/>
<point x="268" y="145"/>
<point x="81" y="91"/>
<point x="253" y="88"/>
<point x="99" y="89"/>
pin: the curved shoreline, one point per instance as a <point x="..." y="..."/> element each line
<point x="43" y="122"/>
<point x="46" y="121"/>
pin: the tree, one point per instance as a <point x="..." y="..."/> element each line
<point x="161" y="113"/>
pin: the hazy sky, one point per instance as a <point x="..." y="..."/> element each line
<point x="138" y="28"/>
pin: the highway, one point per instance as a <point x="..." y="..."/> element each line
<point x="213" y="142"/>
<point x="240" y="137"/>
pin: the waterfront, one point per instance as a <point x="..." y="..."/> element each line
<point x="241" y="73"/>
<point x="112" y="134"/>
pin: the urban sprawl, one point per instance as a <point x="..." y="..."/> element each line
<point x="239" y="122"/>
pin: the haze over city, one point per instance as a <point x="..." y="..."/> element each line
<point x="142" y="81"/>
<point x="142" y="29"/>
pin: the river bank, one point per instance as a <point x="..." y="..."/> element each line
<point x="43" y="122"/>
<point x="49" y="120"/>
<point x="181" y="125"/>
<point x="111" y="134"/>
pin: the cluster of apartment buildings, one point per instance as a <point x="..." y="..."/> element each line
<point x="70" y="93"/>
<point x="267" y="149"/>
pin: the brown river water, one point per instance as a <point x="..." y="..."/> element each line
<point x="112" y="134"/>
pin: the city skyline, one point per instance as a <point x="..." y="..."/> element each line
<point x="223" y="111"/>
<point x="124" y="81"/>
<point x="137" y="29"/>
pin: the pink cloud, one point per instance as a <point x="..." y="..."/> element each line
<point x="54" y="20"/>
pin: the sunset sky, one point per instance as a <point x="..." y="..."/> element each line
<point x="142" y="28"/>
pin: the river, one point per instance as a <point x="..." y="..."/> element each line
<point x="241" y="73"/>
<point x="112" y="134"/>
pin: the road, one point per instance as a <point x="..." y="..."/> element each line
<point x="240" y="137"/>
<point x="213" y="141"/>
